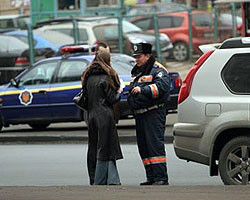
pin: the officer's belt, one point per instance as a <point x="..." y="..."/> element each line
<point x="143" y="110"/>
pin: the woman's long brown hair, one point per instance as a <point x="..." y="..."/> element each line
<point x="103" y="59"/>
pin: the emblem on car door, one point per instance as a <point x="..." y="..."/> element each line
<point x="25" y="97"/>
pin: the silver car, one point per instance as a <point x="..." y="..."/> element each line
<point x="214" y="112"/>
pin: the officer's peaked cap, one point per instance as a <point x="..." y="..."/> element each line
<point x="142" y="48"/>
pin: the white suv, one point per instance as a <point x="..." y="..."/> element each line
<point x="214" y="112"/>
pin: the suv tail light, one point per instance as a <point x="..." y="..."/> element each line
<point x="187" y="83"/>
<point x="21" y="61"/>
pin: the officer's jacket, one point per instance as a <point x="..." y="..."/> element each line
<point x="154" y="81"/>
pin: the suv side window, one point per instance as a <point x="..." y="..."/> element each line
<point x="41" y="74"/>
<point x="165" y="22"/>
<point x="8" y="23"/>
<point x="236" y="74"/>
<point x="70" y="71"/>
<point x="170" y="21"/>
<point x="202" y="19"/>
<point x="177" y="21"/>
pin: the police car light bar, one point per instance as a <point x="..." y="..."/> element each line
<point x="75" y="49"/>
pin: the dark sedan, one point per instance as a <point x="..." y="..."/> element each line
<point x="12" y="52"/>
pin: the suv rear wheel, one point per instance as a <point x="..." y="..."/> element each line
<point x="180" y="51"/>
<point x="234" y="162"/>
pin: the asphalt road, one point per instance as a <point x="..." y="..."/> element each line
<point x="65" y="164"/>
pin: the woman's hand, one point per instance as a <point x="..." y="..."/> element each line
<point x="120" y="90"/>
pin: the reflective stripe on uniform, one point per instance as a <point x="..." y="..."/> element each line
<point x="160" y="65"/>
<point x="148" y="78"/>
<point x="154" y="160"/>
<point x="154" y="90"/>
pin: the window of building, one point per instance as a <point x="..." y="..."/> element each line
<point x="69" y="4"/>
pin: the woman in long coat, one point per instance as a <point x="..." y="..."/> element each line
<point x="103" y="91"/>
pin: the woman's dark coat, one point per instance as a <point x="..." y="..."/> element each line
<point x="101" y="98"/>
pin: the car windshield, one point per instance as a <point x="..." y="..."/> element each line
<point x="9" y="43"/>
<point x="25" y="39"/>
<point x="129" y="27"/>
<point x="55" y="37"/>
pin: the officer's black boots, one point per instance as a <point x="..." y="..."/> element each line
<point x="160" y="183"/>
<point x="154" y="183"/>
<point x="148" y="182"/>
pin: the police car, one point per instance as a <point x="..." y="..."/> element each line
<point x="43" y="93"/>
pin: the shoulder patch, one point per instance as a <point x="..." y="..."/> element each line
<point x="159" y="74"/>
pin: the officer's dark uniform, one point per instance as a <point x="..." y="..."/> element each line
<point x="149" y="107"/>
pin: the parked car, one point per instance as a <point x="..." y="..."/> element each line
<point x="44" y="38"/>
<point x="213" y="112"/>
<point x="13" y="22"/>
<point x="14" y="57"/>
<point x="90" y="31"/>
<point x="175" y="25"/>
<point x="225" y="26"/>
<point x="136" y="35"/>
<point x="43" y="93"/>
<point x="12" y="52"/>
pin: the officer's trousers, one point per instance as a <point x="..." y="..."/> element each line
<point x="150" y="129"/>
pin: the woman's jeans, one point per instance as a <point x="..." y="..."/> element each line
<point x="106" y="173"/>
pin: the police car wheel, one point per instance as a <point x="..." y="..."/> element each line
<point x="39" y="126"/>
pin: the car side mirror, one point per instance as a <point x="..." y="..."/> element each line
<point x="13" y="82"/>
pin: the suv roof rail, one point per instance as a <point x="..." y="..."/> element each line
<point x="236" y="43"/>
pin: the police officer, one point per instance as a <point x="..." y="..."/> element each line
<point x="149" y="93"/>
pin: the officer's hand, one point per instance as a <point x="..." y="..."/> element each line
<point x="136" y="90"/>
